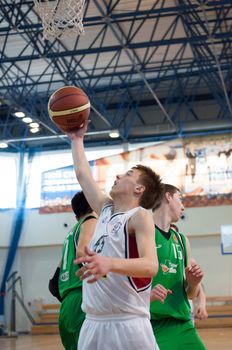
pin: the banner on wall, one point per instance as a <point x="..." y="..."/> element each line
<point x="208" y="171"/>
<point x="200" y="167"/>
<point x="58" y="186"/>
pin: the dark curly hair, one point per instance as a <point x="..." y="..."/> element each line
<point x="80" y="206"/>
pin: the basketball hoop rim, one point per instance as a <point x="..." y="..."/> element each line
<point x="60" y="19"/>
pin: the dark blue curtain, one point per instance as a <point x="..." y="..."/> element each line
<point x="17" y="226"/>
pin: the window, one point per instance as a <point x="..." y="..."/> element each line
<point x="51" y="160"/>
<point x="8" y="175"/>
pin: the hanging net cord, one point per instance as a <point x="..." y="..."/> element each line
<point x="60" y="17"/>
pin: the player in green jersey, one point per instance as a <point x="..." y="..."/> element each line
<point x="69" y="285"/>
<point x="176" y="281"/>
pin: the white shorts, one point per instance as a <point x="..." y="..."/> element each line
<point x="117" y="333"/>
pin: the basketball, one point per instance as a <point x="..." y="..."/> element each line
<point x="68" y="108"/>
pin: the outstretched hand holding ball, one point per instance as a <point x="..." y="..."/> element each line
<point x="69" y="108"/>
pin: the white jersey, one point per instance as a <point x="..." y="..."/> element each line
<point x="116" y="294"/>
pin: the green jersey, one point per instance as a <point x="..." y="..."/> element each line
<point x="71" y="315"/>
<point x="67" y="277"/>
<point x="172" y="257"/>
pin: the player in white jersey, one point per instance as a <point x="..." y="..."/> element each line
<point x="121" y="258"/>
<point x="111" y="238"/>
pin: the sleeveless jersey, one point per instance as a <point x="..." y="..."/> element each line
<point x="172" y="259"/>
<point x="67" y="277"/>
<point x="116" y="294"/>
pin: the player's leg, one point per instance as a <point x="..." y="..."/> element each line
<point x="190" y="339"/>
<point x="176" y="335"/>
<point x="71" y="319"/>
<point x="165" y="334"/>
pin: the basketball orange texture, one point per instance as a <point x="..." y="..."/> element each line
<point x="68" y="108"/>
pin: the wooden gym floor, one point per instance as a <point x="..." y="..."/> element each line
<point x="214" y="339"/>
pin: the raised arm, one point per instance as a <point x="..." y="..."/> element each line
<point x="93" y="194"/>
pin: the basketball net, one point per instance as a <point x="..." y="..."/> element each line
<point x="60" y="18"/>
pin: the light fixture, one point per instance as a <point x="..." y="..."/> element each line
<point x="3" y="145"/>
<point x="34" y="130"/>
<point x="114" y="134"/>
<point x="57" y="136"/>
<point x="27" y="120"/>
<point x="34" y="125"/>
<point x="19" y="114"/>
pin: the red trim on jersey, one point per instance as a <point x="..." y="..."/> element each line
<point x="139" y="283"/>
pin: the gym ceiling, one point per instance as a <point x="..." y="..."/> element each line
<point x="153" y="70"/>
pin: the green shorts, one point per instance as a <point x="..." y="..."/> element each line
<point x="176" y="335"/>
<point x="70" y="319"/>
